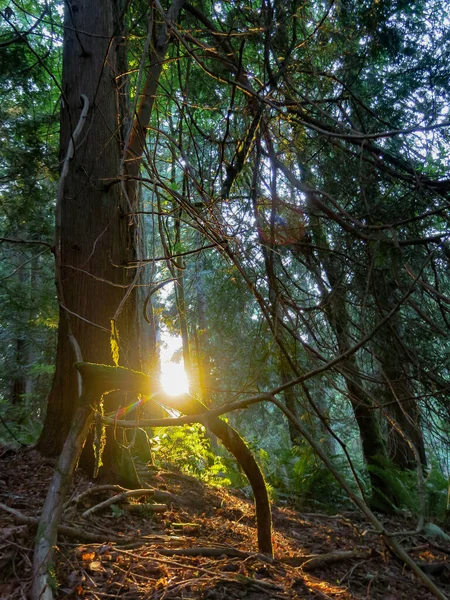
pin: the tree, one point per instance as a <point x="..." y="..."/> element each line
<point x="97" y="231"/>
<point x="303" y="144"/>
<point x="27" y="176"/>
<point x="329" y="110"/>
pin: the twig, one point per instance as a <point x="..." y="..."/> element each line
<point x="94" y="490"/>
<point x="28" y="242"/>
<point x="322" y="560"/>
<point x="174" y="563"/>
<point x="119" y="498"/>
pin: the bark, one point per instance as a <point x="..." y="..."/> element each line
<point x="95" y="232"/>
<point x="372" y="441"/>
<point x="93" y="240"/>
<point x="397" y="393"/>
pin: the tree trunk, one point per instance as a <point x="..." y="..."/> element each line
<point x="397" y="393"/>
<point x="373" y="446"/>
<point x="96" y="220"/>
<point x="92" y="238"/>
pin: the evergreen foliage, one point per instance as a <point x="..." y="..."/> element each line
<point x="293" y="226"/>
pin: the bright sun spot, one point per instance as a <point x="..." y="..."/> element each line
<point x="173" y="379"/>
<point x="173" y="376"/>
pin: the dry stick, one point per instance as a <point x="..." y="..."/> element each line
<point x="213" y="552"/>
<point x="157" y="495"/>
<point x="173" y="563"/>
<point x="93" y="490"/>
<point x="118" y="498"/>
<point x="317" y="561"/>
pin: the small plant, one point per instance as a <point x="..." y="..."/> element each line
<point x="117" y="512"/>
<point x="188" y="448"/>
<point x="405" y="490"/>
<point x="296" y="475"/>
<point x="19" y="424"/>
<point x="309" y="480"/>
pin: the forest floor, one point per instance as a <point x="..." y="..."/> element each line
<point x="202" y="546"/>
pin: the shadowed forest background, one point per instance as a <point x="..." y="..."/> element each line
<point x="264" y="183"/>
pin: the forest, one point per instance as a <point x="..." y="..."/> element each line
<point x="225" y="299"/>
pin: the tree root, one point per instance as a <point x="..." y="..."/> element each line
<point x="213" y="552"/>
<point x="317" y="561"/>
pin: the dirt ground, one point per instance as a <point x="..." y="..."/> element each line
<point x="202" y="546"/>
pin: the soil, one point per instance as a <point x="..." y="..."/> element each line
<point x="203" y="546"/>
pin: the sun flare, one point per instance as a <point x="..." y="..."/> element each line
<point x="173" y="379"/>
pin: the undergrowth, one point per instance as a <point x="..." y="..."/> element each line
<point x="20" y="424"/>
<point x="188" y="449"/>
<point x="405" y="490"/>
<point x="294" y="474"/>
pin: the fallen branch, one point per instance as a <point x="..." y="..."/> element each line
<point x="338" y="517"/>
<point x="7" y="532"/>
<point x="97" y="489"/>
<point x="212" y="552"/>
<point x="317" y="561"/>
<point x="174" y="563"/>
<point x="143" y="509"/>
<point x="78" y="534"/>
<point x="157" y="495"/>
<point x="160" y="496"/>
<point x="20" y="517"/>
<point x="119" y="498"/>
